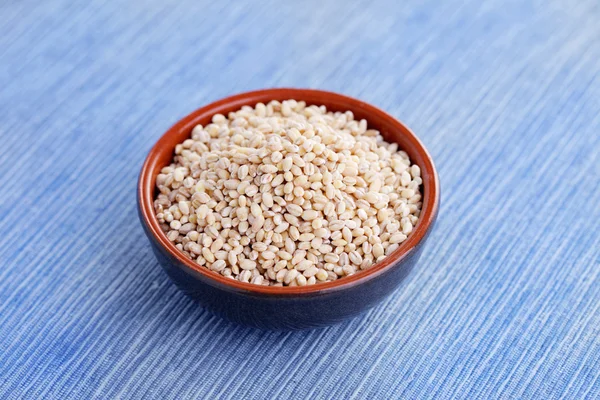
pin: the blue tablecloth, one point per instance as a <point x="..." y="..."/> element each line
<point x="505" y="302"/>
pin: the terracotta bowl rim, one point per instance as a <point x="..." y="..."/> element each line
<point x="430" y="186"/>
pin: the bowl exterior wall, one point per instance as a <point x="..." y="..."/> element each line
<point x="286" y="312"/>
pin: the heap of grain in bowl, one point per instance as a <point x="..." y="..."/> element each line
<point x="286" y="194"/>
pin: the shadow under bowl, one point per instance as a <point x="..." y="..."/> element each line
<point x="289" y="308"/>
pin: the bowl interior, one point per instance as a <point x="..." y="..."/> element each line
<point x="391" y="129"/>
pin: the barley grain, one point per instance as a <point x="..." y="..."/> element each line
<point x="267" y="192"/>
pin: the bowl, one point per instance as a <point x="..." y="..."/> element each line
<point x="299" y="307"/>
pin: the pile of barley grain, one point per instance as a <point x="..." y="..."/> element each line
<point x="284" y="194"/>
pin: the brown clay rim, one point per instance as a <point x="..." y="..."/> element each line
<point x="392" y="130"/>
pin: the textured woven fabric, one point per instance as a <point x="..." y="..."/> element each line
<point x="505" y="302"/>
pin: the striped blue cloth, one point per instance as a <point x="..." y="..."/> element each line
<point x="505" y="302"/>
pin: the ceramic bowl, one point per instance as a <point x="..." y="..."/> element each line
<point x="297" y="307"/>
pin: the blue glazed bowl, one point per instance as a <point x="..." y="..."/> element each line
<point x="299" y="307"/>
